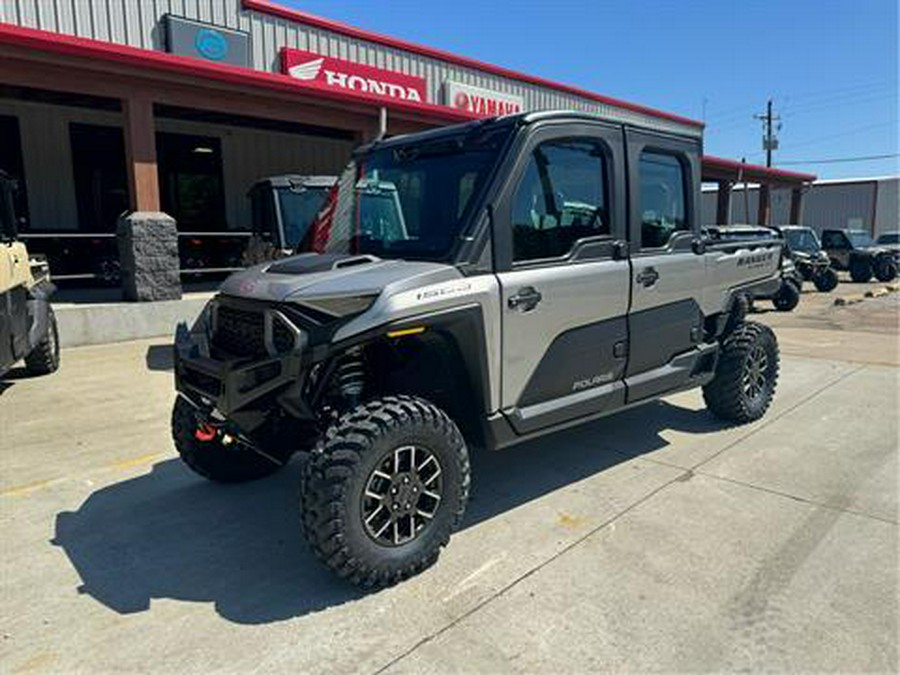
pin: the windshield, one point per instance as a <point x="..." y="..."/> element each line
<point x="409" y="201"/>
<point x="802" y="240"/>
<point x="860" y="239"/>
<point x="299" y="207"/>
<point x="890" y="238"/>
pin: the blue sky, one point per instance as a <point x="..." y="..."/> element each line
<point x="831" y="66"/>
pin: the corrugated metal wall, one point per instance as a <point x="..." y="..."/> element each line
<point x="247" y="154"/>
<point x="825" y="205"/>
<point x="137" y="23"/>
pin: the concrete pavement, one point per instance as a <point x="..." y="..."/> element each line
<point x="658" y="539"/>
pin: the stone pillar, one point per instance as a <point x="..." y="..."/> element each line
<point x="148" y="253"/>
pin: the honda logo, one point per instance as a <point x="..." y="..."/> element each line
<point x="325" y="72"/>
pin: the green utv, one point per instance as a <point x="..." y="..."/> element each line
<point x="27" y="323"/>
<point x="549" y="270"/>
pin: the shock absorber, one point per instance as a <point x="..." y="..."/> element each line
<point x="351" y="376"/>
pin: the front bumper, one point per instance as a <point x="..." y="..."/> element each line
<point x="231" y="384"/>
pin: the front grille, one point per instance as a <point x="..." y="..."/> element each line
<point x="202" y="381"/>
<point x="240" y="332"/>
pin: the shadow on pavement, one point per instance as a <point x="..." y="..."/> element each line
<point x="170" y="534"/>
<point x="8" y="379"/>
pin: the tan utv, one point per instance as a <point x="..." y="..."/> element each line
<point x="27" y="324"/>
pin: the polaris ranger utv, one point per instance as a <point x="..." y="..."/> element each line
<point x="27" y="324"/>
<point x="550" y="271"/>
<point x="856" y="252"/>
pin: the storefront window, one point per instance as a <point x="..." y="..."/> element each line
<point x="101" y="181"/>
<point x="11" y="163"/>
<point x="190" y="181"/>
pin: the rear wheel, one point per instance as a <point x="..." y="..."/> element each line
<point x="861" y="271"/>
<point x="787" y="297"/>
<point x="826" y="280"/>
<point x="206" y="453"/>
<point x="885" y="269"/>
<point x="44" y="358"/>
<point x="383" y="493"/>
<point x="746" y="374"/>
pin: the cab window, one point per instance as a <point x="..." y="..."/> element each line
<point x="561" y="198"/>
<point x="662" y="194"/>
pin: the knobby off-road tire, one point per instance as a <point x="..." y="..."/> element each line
<point x="861" y="271"/>
<point x="44" y="358"/>
<point x="746" y="374"/>
<point x="885" y="269"/>
<point x="358" y="494"/>
<point x="212" y="459"/>
<point x="826" y="281"/>
<point x="788" y="296"/>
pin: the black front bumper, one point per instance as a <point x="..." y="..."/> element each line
<point x="230" y="385"/>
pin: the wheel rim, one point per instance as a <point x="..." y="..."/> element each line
<point x="402" y="496"/>
<point x="755" y="372"/>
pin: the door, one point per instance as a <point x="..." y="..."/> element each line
<point x="667" y="276"/>
<point x="564" y="281"/>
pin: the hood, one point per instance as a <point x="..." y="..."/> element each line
<point x="312" y="275"/>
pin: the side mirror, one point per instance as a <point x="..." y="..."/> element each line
<point x="698" y="246"/>
<point x="620" y="250"/>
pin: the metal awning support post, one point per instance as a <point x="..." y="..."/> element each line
<point x="763" y="211"/>
<point x="723" y="203"/>
<point x="796" y="206"/>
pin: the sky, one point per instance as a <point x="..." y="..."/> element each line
<point x="830" y="66"/>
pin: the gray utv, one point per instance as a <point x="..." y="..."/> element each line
<point x="549" y="271"/>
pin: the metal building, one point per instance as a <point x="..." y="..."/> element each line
<point x="869" y="204"/>
<point x="179" y="105"/>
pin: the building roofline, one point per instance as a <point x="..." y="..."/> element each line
<point x="754" y="171"/>
<point x="299" y="16"/>
<point x="148" y="59"/>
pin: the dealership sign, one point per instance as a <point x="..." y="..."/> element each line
<point x="326" y="72"/>
<point x="483" y="102"/>
<point x="202" y="41"/>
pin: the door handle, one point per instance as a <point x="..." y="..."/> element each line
<point x="525" y="300"/>
<point x="647" y="277"/>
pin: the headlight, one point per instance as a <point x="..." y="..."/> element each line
<point x="281" y="335"/>
<point x="341" y="305"/>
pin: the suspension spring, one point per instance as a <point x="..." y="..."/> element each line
<point x="351" y="376"/>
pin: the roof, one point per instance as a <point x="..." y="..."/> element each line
<point x="299" y="16"/>
<point x="719" y="168"/>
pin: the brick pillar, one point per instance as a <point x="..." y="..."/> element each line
<point x="148" y="253"/>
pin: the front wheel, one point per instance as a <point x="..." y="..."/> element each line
<point x="788" y="296"/>
<point x="382" y="494"/>
<point x="885" y="269"/>
<point x="44" y="358"/>
<point x="205" y="451"/>
<point x="746" y="374"/>
<point x="860" y="270"/>
<point x="826" y="280"/>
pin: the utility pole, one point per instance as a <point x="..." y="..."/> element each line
<point x="770" y="142"/>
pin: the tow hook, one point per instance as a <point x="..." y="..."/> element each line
<point x="205" y="432"/>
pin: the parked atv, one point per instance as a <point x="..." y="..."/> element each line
<point x="27" y="324"/>
<point x="856" y="252"/>
<point x="811" y="261"/>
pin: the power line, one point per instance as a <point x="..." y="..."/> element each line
<point x="837" y="160"/>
